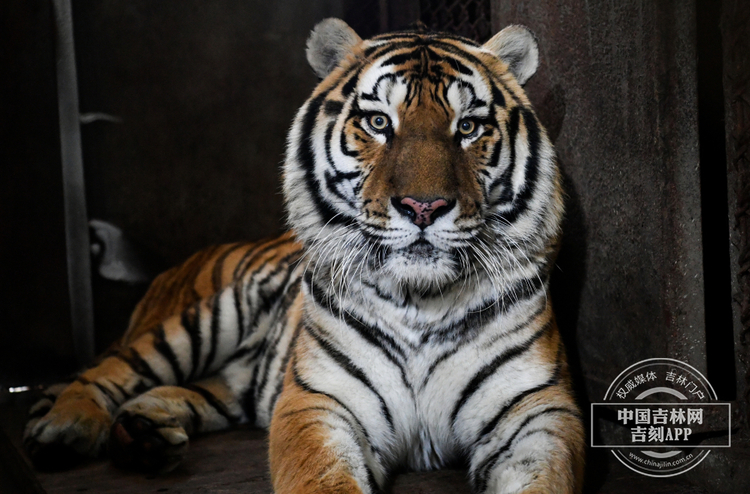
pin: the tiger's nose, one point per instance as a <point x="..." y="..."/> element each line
<point x="422" y="213"/>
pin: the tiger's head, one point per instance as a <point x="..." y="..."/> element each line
<point x="419" y="159"/>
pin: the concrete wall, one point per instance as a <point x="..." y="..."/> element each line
<point x="203" y="93"/>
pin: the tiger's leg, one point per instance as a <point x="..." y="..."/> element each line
<point x="150" y="432"/>
<point x="538" y="448"/>
<point x="318" y="446"/>
<point x="38" y="410"/>
<point x="182" y="349"/>
<point x="45" y="403"/>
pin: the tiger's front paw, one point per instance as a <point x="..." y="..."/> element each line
<point x="71" y="430"/>
<point x="147" y="440"/>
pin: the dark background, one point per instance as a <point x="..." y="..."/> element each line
<point x="645" y="100"/>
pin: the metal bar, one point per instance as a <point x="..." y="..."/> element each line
<point x="76" y="218"/>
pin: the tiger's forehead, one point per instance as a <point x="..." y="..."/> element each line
<point x="415" y="38"/>
<point x="431" y="56"/>
<point x="408" y="65"/>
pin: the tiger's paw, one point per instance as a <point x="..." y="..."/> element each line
<point x="150" y="441"/>
<point x="71" y="430"/>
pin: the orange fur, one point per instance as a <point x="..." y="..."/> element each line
<point x="300" y="461"/>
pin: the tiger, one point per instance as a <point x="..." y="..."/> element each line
<point x="403" y="322"/>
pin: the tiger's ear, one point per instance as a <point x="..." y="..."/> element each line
<point x="330" y="41"/>
<point x="516" y="46"/>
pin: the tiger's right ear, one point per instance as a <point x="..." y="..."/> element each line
<point x="516" y="46"/>
<point x="330" y="41"/>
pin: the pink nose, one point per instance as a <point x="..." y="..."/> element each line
<point x="422" y="213"/>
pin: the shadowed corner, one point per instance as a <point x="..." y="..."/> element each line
<point x="567" y="282"/>
<point x="551" y="111"/>
<point x="568" y="276"/>
<point x="54" y="457"/>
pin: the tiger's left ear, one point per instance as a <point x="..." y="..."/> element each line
<point x="330" y="41"/>
<point x="516" y="46"/>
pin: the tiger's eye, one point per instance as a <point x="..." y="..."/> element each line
<point x="466" y="127"/>
<point x="379" y="121"/>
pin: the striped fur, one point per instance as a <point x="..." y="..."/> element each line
<point x="368" y="340"/>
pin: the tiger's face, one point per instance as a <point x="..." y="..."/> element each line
<point x="418" y="158"/>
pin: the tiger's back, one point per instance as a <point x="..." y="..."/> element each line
<point x="201" y="276"/>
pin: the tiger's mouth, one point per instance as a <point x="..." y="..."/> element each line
<point x="420" y="249"/>
<point x="420" y="265"/>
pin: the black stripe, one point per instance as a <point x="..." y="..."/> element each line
<point x="375" y="52"/>
<point x="122" y="391"/>
<point x="244" y="351"/>
<point x="215" y="320"/>
<point x="248" y="400"/>
<point x="195" y="418"/>
<point x="333" y="107"/>
<point x="106" y="392"/>
<point x="477" y="318"/>
<point x="522" y="290"/>
<point x="453" y="62"/>
<point x="472" y="60"/>
<point x="409" y="37"/>
<point x="268" y="358"/>
<point x="463" y="343"/>
<point x="285" y="263"/>
<point x="216" y="273"/>
<point x="306" y="159"/>
<point x="455" y="37"/>
<point x="505" y="180"/>
<point x="337" y="177"/>
<point x="288" y="351"/>
<point x="306" y="387"/>
<point x="191" y="323"/>
<point x="372" y="95"/>
<point x="521" y="200"/>
<point x="371" y="482"/>
<point x="253" y="253"/>
<point x="492" y="367"/>
<point x="237" y="294"/>
<point x="139" y="366"/>
<point x="249" y="281"/>
<point x="343" y="147"/>
<point x="483" y="470"/>
<point x="348" y="87"/>
<point x="402" y="58"/>
<point x="165" y="349"/>
<point x="214" y="402"/>
<point x="387" y="297"/>
<point x="374" y="487"/>
<point x="333" y="176"/>
<point x="498" y="98"/>
<point x="422" y="38"/>
<point x="329" y="155"/>
<point x="517" y="399"/>
<point x="268" y="299"/>
<point x="371" y="334"/>
<point x="346" y="364"/>
<point x="552" y="381"/>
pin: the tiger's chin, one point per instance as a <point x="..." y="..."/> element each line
<point x="420" y="266"/>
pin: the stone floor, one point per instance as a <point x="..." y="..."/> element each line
<point x="235" y="461"/>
